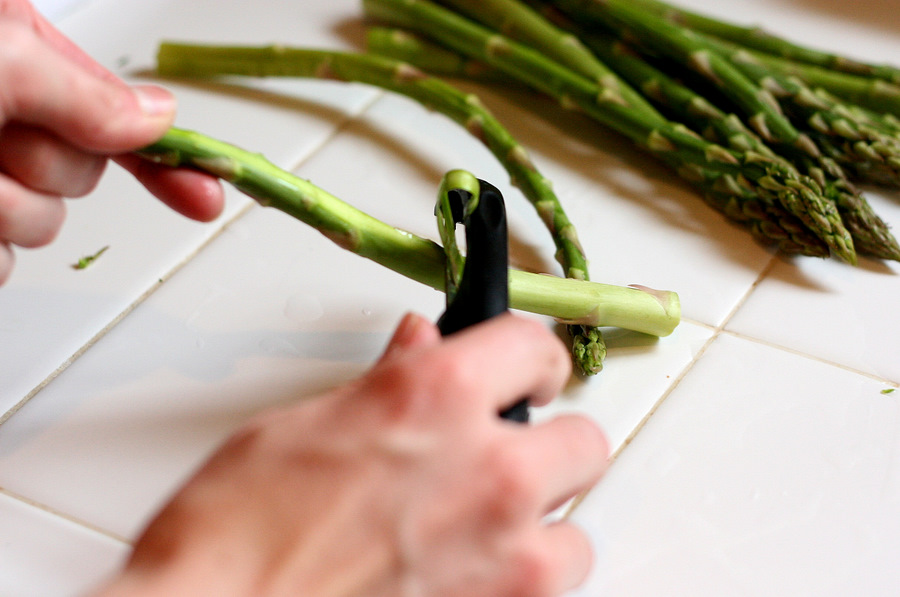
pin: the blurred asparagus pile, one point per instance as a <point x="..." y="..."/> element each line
<point x="774" y="135"/>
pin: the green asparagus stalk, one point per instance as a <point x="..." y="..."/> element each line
<point x="743" y="174"/>
<point x="466" y="109"/>
<point x="676" y="43"/>
<point x="521" y="23"/>
<point x="758" y="39"/>
<point x="851" y="137"/>
<point x="874" y="94"/>
<point x="429" y="57"/>
<point x="574" y="301"/>
<point x="870" y="233"/>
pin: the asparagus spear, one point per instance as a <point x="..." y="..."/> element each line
<point x="193" y="60"/>
<point x="429" y="57"/>
<point x="742" y="174"/>
<point x="523" y="24"/>
<point x="874" y="94"/>
<point x="679" y="44"/>
<point x="872" y="138"/>
<point x="870" y="234"/>
<point x="578" y="301"/>
<point x="758" y="39"/>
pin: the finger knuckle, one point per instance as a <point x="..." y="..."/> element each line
<point x="535" y="572"/>
<point x="25" y="225"/>
<point x="514" y="486"/>
<point x="16" y="60"/>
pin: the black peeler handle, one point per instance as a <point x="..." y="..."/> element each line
<point x="484" y="288"/>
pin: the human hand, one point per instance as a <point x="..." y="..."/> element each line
<point x="404" y="483"/>
<point x="62" y="116"/>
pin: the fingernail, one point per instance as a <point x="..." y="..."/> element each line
<point x="154" y="101"/>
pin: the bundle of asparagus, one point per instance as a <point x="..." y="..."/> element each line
<point x="774" y="143"/>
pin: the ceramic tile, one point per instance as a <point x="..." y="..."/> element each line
<point x="44" y="555"/>
<point x="836" y="312"/>
<point x="49" y="310"/>
<point x="638" y="371"/>
<point x="269" y="312"/>
<point x="763" y="473"/>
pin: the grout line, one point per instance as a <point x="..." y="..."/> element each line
<point x="184" y="261"/>
<point x="63" y="516"/>
<point x="717" y="330"/>
<point x="125" y="312"/>
<point x="811" y="357"/>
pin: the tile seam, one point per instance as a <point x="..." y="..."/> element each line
<point x="63" y="516"/>
<point x="811" y="357"/>
<point x="717" y="331"/>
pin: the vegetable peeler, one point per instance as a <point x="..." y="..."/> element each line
<point x="481" y="289"/>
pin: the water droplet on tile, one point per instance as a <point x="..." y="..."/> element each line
<point x="303" y="308"/>
<point x="367" y="312"/>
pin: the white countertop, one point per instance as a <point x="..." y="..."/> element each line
<point x="756" y="452"/>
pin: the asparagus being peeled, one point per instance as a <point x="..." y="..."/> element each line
<point x="203" y="61"/>
<point x="572" y="301"/>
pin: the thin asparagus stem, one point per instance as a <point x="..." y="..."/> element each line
<point x="874" y="94"/>
<point x="676" y="43"/>
<point x="758" y="39"/>
<point x="768" y="222"/>
<point x="578" y="301"/>
<point x="431" y="58"/>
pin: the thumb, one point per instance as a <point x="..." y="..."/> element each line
<point x="91" y="112"/>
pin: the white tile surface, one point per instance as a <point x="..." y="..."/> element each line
<point x="49" y="310"/>
<point x="44" y="555"/>
<point x="763" y="473"/>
